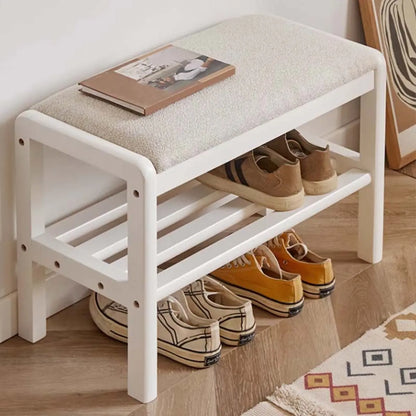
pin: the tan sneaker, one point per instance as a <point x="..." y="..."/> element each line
<point x="318" y="174"/>
<point x="211" y="300"/>
<point x="186" y="338"/>
<point x="257" y="276"/>
<point x="271" y="181"/>
<point x="181" y="336"/>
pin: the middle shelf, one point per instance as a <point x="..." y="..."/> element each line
<point x="191" y="215"/>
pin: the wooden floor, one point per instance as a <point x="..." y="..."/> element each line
<point x="76" y="370"/>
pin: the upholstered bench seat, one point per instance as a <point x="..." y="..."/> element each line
<point x="280" y="65"/>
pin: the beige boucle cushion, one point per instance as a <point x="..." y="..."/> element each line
<point x="279" y="64"/>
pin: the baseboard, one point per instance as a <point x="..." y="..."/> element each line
<point x="8" y="314"/>
<point x="347" y="135"/>
<point x="332" y="121"/>
<point x="345" y="131"/>
<point x="60" y="293"/>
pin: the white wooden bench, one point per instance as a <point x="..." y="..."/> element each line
<point x="287" y="74"/>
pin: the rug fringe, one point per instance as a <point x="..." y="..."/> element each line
<point x="293" y="401"/>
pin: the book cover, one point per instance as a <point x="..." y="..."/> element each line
<point x="150" y="82"/>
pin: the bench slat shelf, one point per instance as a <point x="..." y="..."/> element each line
<point x="185" y="237"/>
<point x="254" y="234"/>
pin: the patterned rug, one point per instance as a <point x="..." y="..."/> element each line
<point x="375" y="375"/>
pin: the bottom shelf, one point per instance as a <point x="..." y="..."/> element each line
<point x="93" y="242"/>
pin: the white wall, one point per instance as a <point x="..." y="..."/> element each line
<point x="342" y="18"/>
<point x="46" y="45"/>
<point x="339" y="17"/>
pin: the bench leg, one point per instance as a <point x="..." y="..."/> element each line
<point x="31" y="300"/>
<point x="142" y="352"/>
<point x="371" y="198"/>
<point x="142" y="282"/>
<point x="30" y="222"/>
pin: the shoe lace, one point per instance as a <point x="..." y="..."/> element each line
<point x="176" y="308"/>
<point x="274" y="242"/>
<point x="210" y="287"/>
<point x="298" y="249"/>
<point x="241" y="261"/>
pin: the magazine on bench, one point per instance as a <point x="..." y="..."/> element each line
<point x="152" y="81"/>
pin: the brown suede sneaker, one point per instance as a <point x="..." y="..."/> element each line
<point x="268" y="180"/>
<point x="318" y="175"/>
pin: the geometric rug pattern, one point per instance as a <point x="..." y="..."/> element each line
<point x="375" y="375"/>
<point x="364" y="406"/>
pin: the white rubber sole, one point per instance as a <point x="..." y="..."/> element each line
<point x="320" y="187"/>
<point x="236" y="338"/>
<point x="277" y="203"/>
<point x="189" y="358"/>
<point x="318" y="291"/>
<point x="179" y="354"/>
<point x="284" y="310"/>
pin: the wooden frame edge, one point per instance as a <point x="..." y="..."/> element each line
<point x="394" y="156"/>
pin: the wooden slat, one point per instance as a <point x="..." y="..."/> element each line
<point x="182" y="205"/>
<point x="89" y="219"/>
<point x="178" y="190"/>
<point x="121" y="263"/>
<point x="178" y="207"/>
<point x="203" y="228"/>
<point x="199" y="230"/>
<point x="107" y="243"/>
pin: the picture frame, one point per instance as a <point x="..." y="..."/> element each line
<point x="390" y="27"/>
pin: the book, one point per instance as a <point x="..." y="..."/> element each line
<point x="152" y="81"/>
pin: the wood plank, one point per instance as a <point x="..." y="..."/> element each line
<point x="203" y="227"/>
<point x="106" y="244"/>
<point x="195" y="197"/>
<point x="90" y="218"/>
<point x="182" y="205"/>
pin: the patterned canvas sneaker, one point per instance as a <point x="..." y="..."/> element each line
<point x="210" y="299"/>
<point x="294" y="256"/>
<point x="181" y="336"/>
<point x="271" y="181"/>
<point x="318" y="174"/>
<point x="257" y="276"/>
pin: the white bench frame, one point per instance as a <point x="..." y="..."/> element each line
<point x="134" y="280"/>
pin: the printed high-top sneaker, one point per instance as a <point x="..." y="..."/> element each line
<point x="294" y="256"/>
<point x="257" y="276"/>
<point x="210" y="299"/>
<point x="271" y="181"/>
<point x="181" y="335"/>
<point x="318" y="174"/>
